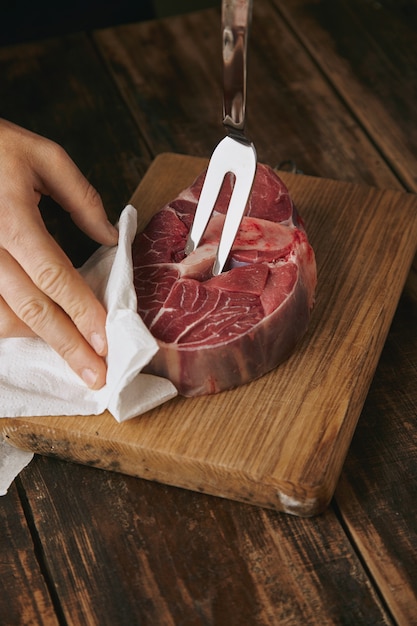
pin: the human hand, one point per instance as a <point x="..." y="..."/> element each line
<point x="41" y="293"/>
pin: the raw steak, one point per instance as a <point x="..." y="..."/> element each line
<point x="216" y="333"/>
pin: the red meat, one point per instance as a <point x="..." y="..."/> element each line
<point x="216" y="333"/>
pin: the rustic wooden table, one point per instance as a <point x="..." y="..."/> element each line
<point x="333" y="87"/>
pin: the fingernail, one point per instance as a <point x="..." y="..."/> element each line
<point x="98" y="342"/>
<point x="89" y="376"/>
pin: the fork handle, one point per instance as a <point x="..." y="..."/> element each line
<point x="236" y="19"/>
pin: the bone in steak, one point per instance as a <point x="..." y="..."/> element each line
<point x="215" y="333"/>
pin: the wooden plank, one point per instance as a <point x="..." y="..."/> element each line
<point x="24" y="596"/>
<point x="368" y="50"/>
<point x="279" y="442"/>
<point x="160" y="555"/>
<point x="377" y="492"/>
<point x="169" y="74"/>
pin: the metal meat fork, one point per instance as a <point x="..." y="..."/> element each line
<point x="235" y="153"/>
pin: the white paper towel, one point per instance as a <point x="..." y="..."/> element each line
<point x="34" y="380"/>
<point x="12" y="461"/>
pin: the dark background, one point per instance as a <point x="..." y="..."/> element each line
<point x="28" y="20"/>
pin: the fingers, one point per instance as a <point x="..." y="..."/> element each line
<point x="55" y="174"/>
<point x="61" y="179"/>
<point x="40" y="291"/>
<point x="26" y="309"/>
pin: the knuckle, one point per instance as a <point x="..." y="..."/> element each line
<point x="92" y="196"/>
<point x="65" y="287"/>
<point x="51" y="279"/>
<point x="67" y="348"/>
<point x="53" y="151"/>
<point x="80" y="313"/>
<point x="35" y="312"/>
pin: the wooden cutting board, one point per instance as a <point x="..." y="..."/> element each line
<point x="279" y="442"/>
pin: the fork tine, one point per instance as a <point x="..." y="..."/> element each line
<point x="245" y="174"/>
<point x="239" y="158"/>
<point x="235" y="153"/>
<point x="208" y="196"/>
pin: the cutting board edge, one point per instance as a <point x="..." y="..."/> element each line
<point x="301" y="500"/>
<point x="286" y="176"/>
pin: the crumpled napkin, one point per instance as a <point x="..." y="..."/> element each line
<point x="12" y="461"/>
<point x="35" y="380"/>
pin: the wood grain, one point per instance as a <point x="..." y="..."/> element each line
<point x="30" y="602"/>
<point x="169" y="76"/>
<point x="143" y="553"/>
<point x="279" y="442"/>
<point x="369" y="53"/>
<point x="183" y="557"/>
<point x="377" y="492"/>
